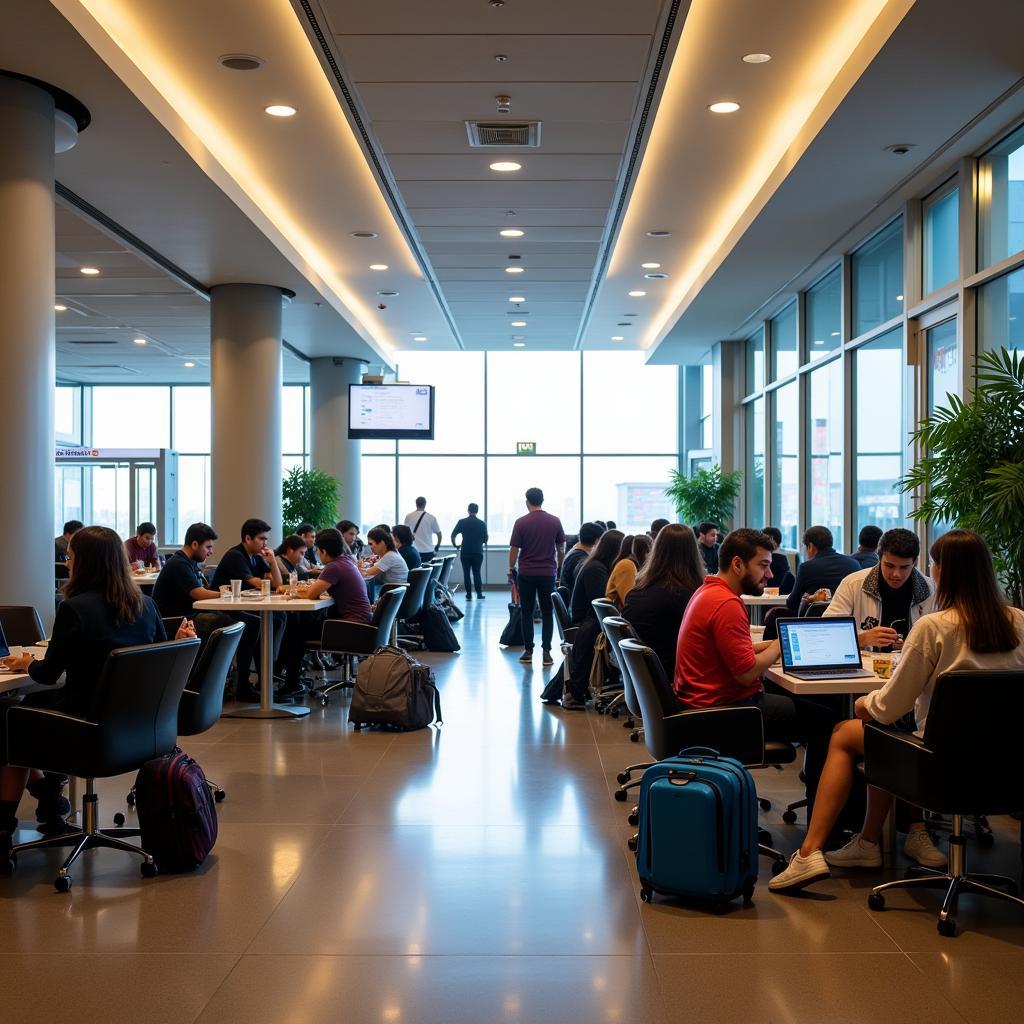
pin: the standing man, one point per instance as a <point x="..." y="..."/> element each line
<point x="471" y="552"/>
<point x="707" y="545"/>
<point x="538" y="544"/>
<point x="424" y="529"/>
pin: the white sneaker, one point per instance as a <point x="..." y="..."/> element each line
<point x="801" y="871"/>
<point x="919" y="847"/>
<point x="857" y="853"/>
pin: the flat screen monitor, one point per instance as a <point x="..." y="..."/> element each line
<point x="390" y="411"/>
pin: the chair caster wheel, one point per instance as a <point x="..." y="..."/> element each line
<point x="620" y="795"/>
<point x="8" y="858"/>
<point x="62" y="883"/>
<point x="789" y="817"/>
<point x="130" y="799"/>
<point x="631" y="842"/>
<point x="947" y="927"/>
<point x="748" y="896"/>
<point x="622" y="778"/>
<point x="149" y="869"/>
<point x="764" y="837"/>
<point x="778" y="866"/>
<point x="629" y="724"/>
<point x="614" y="712"/>
<point x="635" y="737"/>
<point x="218" y="795"/>
<point x="633" y="819"/>
<point x="324" y="701"/>
<point x="765" y="805"/>
<point x="876" y="901"/>
<point x="119" y="819"/>
<point x="646" y="893"/>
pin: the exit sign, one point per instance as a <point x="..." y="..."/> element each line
<point x="526" y="448"/>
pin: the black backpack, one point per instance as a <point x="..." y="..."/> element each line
<point x="393" y="689"/>
<point x="437" y="631"/>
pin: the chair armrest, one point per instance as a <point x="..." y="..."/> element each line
<point x="569" y="635"/>
<point x="346" y="637"/>
<point x="734" y="732"/>
<point x="42" y="738"/>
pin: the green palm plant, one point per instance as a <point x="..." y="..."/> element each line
<point x="709" y="495"/>
<point x="973" y="473"/>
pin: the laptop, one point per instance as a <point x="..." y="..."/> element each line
<point x="4" y="649"/>
<point x="821" y="648"/>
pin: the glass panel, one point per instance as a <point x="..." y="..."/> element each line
<point x="111" y="488"/>
<point x="755" y="464"/>
<point x="823" y="306"/>
<point x="378" y="493"/>
<point x="463" y="482"/>
<point x="67" y="415"/>
<point x="878" y="279"/>
<point x="378" y="448"/>
<point x="293" y="418"/>
<point x="784" y="343"/>
<point x="68" y="498"/>
<point x="607" y="378"/>
<point x="195" y="496"/>
<point x="786" y="474"/>
<point x="942" y="241"/>
<point x="131" y="417"/>
<point x="629" y="491"/>
<point x="755" y="361"/>
<point x="1001" y="314"/>
<point x="533" y="396"/>
<point x="943" y="364"/>
<point x="1001" y="201"/>
<point x="707" y="399"/>
<point x="825" y="446"/>
<point x="878" y="431"/>
<point x="507" y="481"/>
<point x="191" y="419"/>
<point x="458" y="400"/>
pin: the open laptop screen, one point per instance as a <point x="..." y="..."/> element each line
<point x="819" y="643"/>
<point x="4" y="649"/>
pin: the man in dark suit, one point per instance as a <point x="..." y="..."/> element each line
<point x="823" y="567"/>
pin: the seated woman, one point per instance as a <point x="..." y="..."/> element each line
<point x="673" y="572"/>
<point x="632" y="555"/>
<point x="973" y="629"/>
<point x="102" y="610"/>
<point x="291" y="557"/>
<point x="591" y="582"/>
<point x="390" y="566"/>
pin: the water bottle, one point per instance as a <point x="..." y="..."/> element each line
<point x="293" y="583"/>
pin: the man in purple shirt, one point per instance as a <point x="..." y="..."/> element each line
<point x="142" y="547"/>
<point x="538" y="543"/>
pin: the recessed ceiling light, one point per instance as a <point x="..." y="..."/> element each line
<point x="817" y="342"/>
<point x="899" y="298"/>
<point x="519" y="344"/>
<point x="511" y="233"/>
<point x="513" y="270"/>
<point x="139" y="341"/>
<point x="658" y="234"/>
<point x="89" y="271"/>
<point x="364" y="234"/>
<point x="518" y="323"/>
<point x="501" y="57"/>
<point x="518" y="337"/>
<point x="517" y="298"/>
<point x="637" y="294"/>
<point x="835" y="334"/>
<point x="617" y="337"/>
<point x="724" y="107"/>
<point x="650" y="266"/>
<point x="506" y="165"/>
<point x="419" y="337"/>
<point x="656" y="275"/>
<point x="59" y="308"/>
<point x="240" y="62"/>
<point x="188" y="366"/>
<point x="756" y="58"/>
<point x="378" y="266"/>
<point x="279" y="110"/>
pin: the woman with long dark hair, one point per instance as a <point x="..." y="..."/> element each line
<point x="972" y="629"/>
<point x="673" y="572"/>
<point x="632" y="555"/>
<point x="103" y="609"/>
<point x="389" y="566"/>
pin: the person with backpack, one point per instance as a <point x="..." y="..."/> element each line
<point x="424" y="529"/>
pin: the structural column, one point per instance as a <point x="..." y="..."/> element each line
<point x="245" y="404"/>
<point x="28" y="118"/>
<point x="332" y="451"/>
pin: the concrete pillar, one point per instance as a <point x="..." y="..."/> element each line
<point x="332" y="452"/>
<point x="245" y="403"/>
<point x="27" y="351"/>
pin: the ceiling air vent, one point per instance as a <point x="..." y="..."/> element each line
<point x="487" y="135"/>
<point x="90" y="341"/>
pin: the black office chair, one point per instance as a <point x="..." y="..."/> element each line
<point x="617" y="629"/>
<point x="358" y="639"/>
<point x="610" y="698"/>
<point x="413" y="601"/>
<point x="414" y="641"/>
<point x="813" y="609"/>
<point x="447" y="565"/>
<point x="967" y="763"/>
<point x="21" y="625"/>
<point x="134" y="718"/>
<point x="565" y="594"/>
<point x="734" y="732"/>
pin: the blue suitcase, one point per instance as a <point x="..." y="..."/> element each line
<point x="697" y="828"/>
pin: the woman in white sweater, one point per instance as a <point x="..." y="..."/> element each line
<point x="973" y="629"/>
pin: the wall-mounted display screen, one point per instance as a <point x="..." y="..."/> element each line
<point x="390" y="411"/>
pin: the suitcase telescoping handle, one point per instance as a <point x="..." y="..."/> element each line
<point x="699" y="751"/>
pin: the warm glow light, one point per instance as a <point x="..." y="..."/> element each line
<point x="650" y="266"/>
<point x="60" y="309"/>
<point x="280" y="110"/>
<point x="378" y="266"/>
<point x="757" y="58"/>
<point x="518" y="323"/>
<point x="506" y="165"/>
<point x="89" y="271"/>
<point x="724" y="107"/>
<point x="637" y="294"/>
<point x="513" y="270"/>
<point x="517" y="298"/>
<point x="139" y="341"/>
<point x="511" y="233"/>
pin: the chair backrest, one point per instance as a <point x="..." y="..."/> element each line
<point x="447" y="564"/>
<point x="203" y="699"/>
<point x="61" y="572"/>
<point x="562" y="618"/>
<point x="814" y="609"/>
<point x="417" y="587"/>
<point x="616" y="629"/>
<point x="435" y="575"/>
<point x="603" y="608"/>
<point x="565" y="594"/>
<point x="136" y="703"/>
<point x="386" y="612"/>
<point x="21" y="625"/>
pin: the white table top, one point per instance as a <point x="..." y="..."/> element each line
<point x="145" y="578"/>
<point x="22" y="680"/>
<point x="764" y="599"/>
<point x="274" y="603"/>
<point x="865" y="684"/>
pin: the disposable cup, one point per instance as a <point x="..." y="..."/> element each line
<point x="236" y="590"/>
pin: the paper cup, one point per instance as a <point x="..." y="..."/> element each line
<point x="882" y="665"/>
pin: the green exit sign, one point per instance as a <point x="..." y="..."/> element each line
<point x="526" y="448"/>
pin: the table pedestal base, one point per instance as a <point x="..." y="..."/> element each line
<point x="273" y="711"/>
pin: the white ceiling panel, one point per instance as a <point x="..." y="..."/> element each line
<point x="407" y="136"/>
<point x="535" y="194"/>
<point x="505" y="216"/>
<point x="539" y="167"/>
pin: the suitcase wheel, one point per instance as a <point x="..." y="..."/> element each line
<point x="119" y="819"/>
<point x="218" y="795"/>
<point x="748" y="894"/>
<point x="720" y="908"/>
<point x="149" y="869"/>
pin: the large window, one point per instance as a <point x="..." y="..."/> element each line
<point x="1001" y="313"/>
<point x="943" y="365"/>
<point x="1001" y="201"/>
<point x="877" y="285"/>
<point x="879" y="431"/>
<point x="825" y="448"/>
<point x="941" y="241"/>
<point x="131" y="417"/>
<point x="786" y="462"/>
<point x="458" y="379"/>
<point x="535" y="396"/>
<point x="755" y="463"/>
<point x="824" y="309"/>
<point x="755" y="361"/>
<point x="785" y="357"/>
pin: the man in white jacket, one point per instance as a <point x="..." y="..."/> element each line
<point x="889" y="598"/>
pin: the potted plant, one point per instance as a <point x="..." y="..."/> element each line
<point x="308" y="496"/>
<point x="972" y="473"/>
<point x="708" y="496"/>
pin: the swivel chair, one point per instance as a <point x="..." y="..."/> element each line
<point x="134" y="718"/>
<point x="413" y="600"/>
<point x="967" y="763"/>
<point x="616" y="629"/>
<point x="21" y="625"/>
<point x="609" y="699"/>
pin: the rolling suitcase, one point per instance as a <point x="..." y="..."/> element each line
<point x="697" y="828"/>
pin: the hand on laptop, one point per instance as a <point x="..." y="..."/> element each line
<point x="880" y="636"/>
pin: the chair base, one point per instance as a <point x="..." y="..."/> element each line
<point x="789" y="814"/>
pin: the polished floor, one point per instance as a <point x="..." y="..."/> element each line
<point x="473" y="873"/>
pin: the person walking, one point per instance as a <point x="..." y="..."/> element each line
<point x="424" y="529"/>
<point x="537" y="546"/>
<point x="473" y="532"/>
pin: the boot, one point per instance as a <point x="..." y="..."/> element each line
<point x="8" y="821"/>
<point x="53" y="806"/>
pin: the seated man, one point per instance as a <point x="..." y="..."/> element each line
<point x="142" y="547"/>
<point x="60" y="545"/>
<point x="824" y="567"/>
<point x="889" y="598"/>
<point x="308" y="563"/>
<point x="590" y="534"/>
<point x="782" y="575"/>
<point x="867" y="551"/>
<point x="344" y="583"/>
<point x="718" y="664"/>
<point x="707" y="545"/>
<point x="180" y="585"/>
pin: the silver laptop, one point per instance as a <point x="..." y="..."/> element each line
<point x="820" y="648"/>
